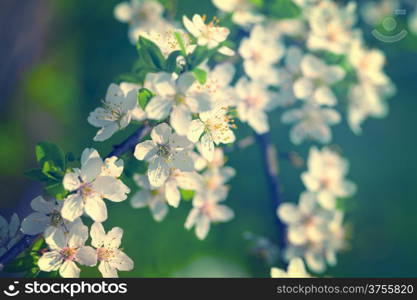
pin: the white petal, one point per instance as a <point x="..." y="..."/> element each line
<point x="97" y="234"/>
<point x="145" y="150"/>
<point x="71" y="181"/>
<point x="91" y="169"/>
<point x="159" y="209"/>
<point x="158" y="108"/>
<point x="50" y="261"/>
<point x="207" y="147"/>
<point x="113" y="238"/>
<point x="86" y="256"/>
<point x="78" y="235"/>
<point x="141" y="199"/>
<point x="121" y="261"/>
<point x="41" y="205"/>
<point x="55" y="239"/>
<point x="106" y="132"/>
<point x="324" y="96"/>
<point x="222" y="213"/>
<point x="202" y="227"/>
<point x="35" y="223"/>
<point x="69" y="270"/>
<point x="303" y="88"/>
<point x="73" y="207"/>
<point x="161" y="134"/>
<point x="172" y="193"/>
<point x="14" y="225"/>
<point x="158" y="172"/>
<point x="183" y="161"/>
<point x="96" y="209"/>
<point x="289" y="213"/>
<point x="107" y="271"/>
<point x="180" y="119"/>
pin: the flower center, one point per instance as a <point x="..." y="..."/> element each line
<point x="68" y="253"/>
<point x="56" y="218"/>
<point x="104" y="254"/>
<point x="164" y="151"/>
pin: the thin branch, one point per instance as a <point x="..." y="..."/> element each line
<point x="27" y="240"/>
<point x="270" y="161"/>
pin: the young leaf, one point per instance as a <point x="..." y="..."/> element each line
<point x="150" y="53"/>
<point x="20" y="264"/>
<point x="187" y="195"/>
<point x="36" y="175"/>
<point x="144" y="96"/>
<point x="200" y="75"/>
<point x="171" y="63"/>
<point x="46" y="151"/>
<point x="282" y="9"/>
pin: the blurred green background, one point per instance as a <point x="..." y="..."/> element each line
<point x="57" y="59"/>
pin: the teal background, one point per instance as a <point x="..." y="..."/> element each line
<point x="86" y="48"/>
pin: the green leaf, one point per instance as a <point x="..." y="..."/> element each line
<point x="187" y="195"/>
<point x="199" y="55"/>
<point x="282" y="9"/>
<point x="200" y="75"/>
<point x="171" y="63"/>
<point x="20" y="264"/>
<point x="38" y="245"/>
<point x="36" y="174"/>
<point x="56" y="190"/>
<point x="46" y="151"/>
<point x="33" y="272"/>
<point x="150" y="53"/>
<point x="69" y="157"/>
<point x="181" y="43"/>
<point x="129" y="77"/>
<point x="144" y="95"/>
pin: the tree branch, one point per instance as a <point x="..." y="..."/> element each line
<point x="270" y="162"/>
<point x="27" y="240"/>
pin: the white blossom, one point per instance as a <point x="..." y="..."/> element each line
<point x="66" y="250"/>
<point x="119" y="108"/>
<point x="254" y="100"/>
<point x="288" y="74"/>
<point x="174" y="98"/>
<point x="312" y="232"/>
<point x="91" y="183"/>
<point x="9" y="234"/>
<point x="165" y="151"/>
<point x="312" y="122"/>
<point x="243" y="13"/>
<point x="326" y="177"/>
<point x="214" y="127"/>
<point x="296" y="269"/>
<point x="158" y="199"/>
<point x="218" y="85"/>
<point x="141" y="15"/>
<point x="46" y="219"/>
<point x="374" y="12"/>
<point x="165" y="39"/>
<point x="210" y="35"/>
<point x="108" y="252"/>
<point x="260" y="51"/>
<point x="331" y="27"/>
<point x="206" y="210"/>
<point x="317" y="76"/>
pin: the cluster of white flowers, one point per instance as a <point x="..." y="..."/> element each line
<point x="62" y="227"/>
<point x="315" y="226"/>
<point x="294" y="64"/>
